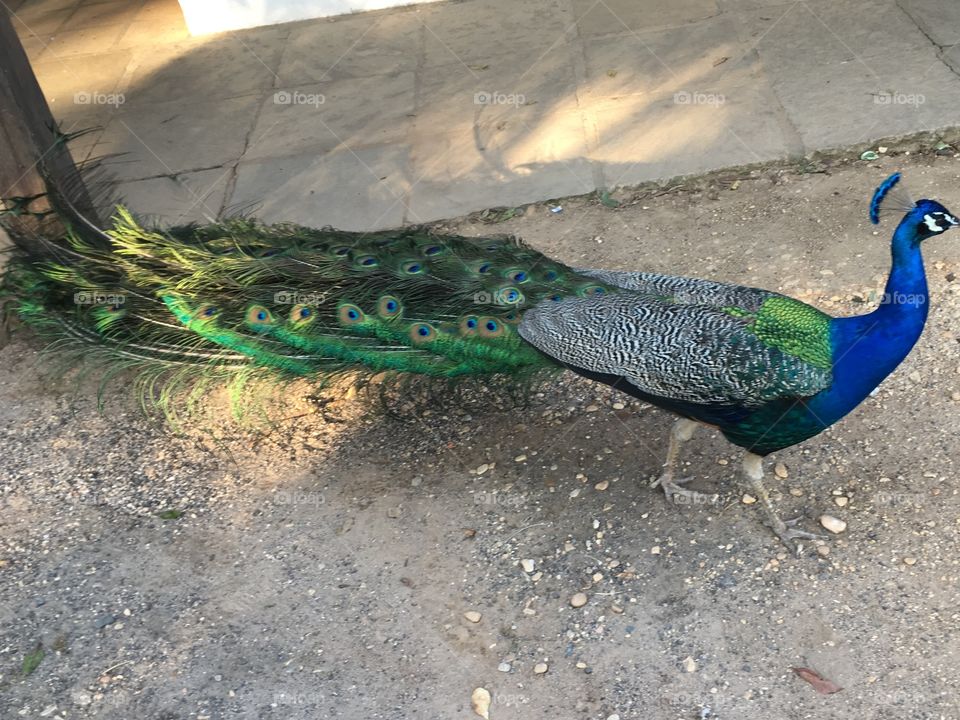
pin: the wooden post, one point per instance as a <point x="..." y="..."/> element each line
<point x="29" y="144"/>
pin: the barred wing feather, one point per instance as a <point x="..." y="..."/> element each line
<point x="688" y="353"/>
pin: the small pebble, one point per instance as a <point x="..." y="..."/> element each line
<point x="504" y="667"/>
<point x="615" y="716"/>
<point x="104" y="620"/>
<point x="748" y="499"/>
<point x="796" y="492"/>
<point x="910" y="560"/>
<point x="834" y="525"/>
<point x="823" y="550"/>
<point x="540" y="668"/>
<point x="602" y="485"/>
<point x="480" y="702"/>
<point x="473" y="616"/>
<point x="655" y="550"/>
<point x="689" y="664"/>
<point x="781" y="470"/>
<point x="618" y="406"/>
<point x="520" y="458"/>
<point x="574" y="492"/>
<point x="841" y="500"/>
<point x="394" y="512"/>
<point x="527" y="564"/>
<point x="592" y="408"/>
<point x="578" y="600"/>
<point x="597" y="577"/>
<point x="482" y="469"/>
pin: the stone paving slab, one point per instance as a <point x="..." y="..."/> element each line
<point x="189" y="197"/>
<point x="170" y="138"/>
<point x="322" y="117"/>
<point x="938" y="19"/>
<point x="616" y="16"/>
<point x="351" y="189"/>
<point x="433" y="111"/>
<point x="365" y="45"/>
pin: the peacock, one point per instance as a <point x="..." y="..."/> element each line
<point x="239" y="299"/>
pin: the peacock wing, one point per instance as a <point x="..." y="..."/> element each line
<point x="690" y="353"/>
<point x="684" y="290"/>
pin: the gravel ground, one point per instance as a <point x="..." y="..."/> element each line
<point x="321" y="566"/>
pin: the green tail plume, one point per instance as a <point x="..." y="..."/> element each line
<point x="238" y="298"/>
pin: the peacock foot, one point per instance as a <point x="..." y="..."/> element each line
<point x="787" y="532"/>
<point x="679" y="495"/>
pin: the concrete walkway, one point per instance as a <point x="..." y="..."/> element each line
<point x="410" y="115"/>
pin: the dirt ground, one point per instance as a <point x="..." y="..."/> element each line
<point x="322" y="568"/>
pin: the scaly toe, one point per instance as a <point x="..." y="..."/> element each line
<point x="679" y="495"/>
<point x="788" y="533"/>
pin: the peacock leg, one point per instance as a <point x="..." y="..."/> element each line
<point x="753" y="472"/>
<point x="681" y="431"/>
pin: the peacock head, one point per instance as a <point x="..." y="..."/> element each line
<point x="924" y="218"/>
<point x="931" y="218"/>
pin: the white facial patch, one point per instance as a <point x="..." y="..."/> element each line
<point x="934" y="226"/>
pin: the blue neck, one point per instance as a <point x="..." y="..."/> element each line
<point x="867" y="348"/>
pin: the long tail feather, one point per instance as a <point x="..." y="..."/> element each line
<point x="227" y="299"/>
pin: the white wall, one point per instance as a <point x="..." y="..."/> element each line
<point x="207" y="16"/>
